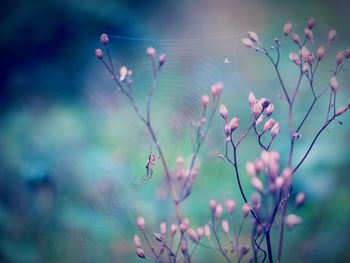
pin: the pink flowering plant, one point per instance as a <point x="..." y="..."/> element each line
<point x="271" y="174"/>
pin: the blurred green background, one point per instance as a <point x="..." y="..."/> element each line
<point x="71" y="146"/>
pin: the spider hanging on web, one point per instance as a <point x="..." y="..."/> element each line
<point x="152" y="161"/>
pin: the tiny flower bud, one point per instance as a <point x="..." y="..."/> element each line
<point x="179" y="161"/>
<point x="296" y="136"/>
<point x="173" y="229"/>
<point x="192" y="235"/>
<point x="200" y="232"/>
<point x="253" y="36"/>
<point x="104" y="39"/>
<point x="251" y="98"/>
<point x="234" y="124"/>
<point x="219" y="86"/>
<point x="311" y="59"/>
<point x="246" y="209"/>
<point x="218" y="211"/>
<point x="269" y="110"/>
<point x="275" y="130"/>
<point x="227" y="129"/>
<point x="295" y="58"/>
<point x="250" y="167"/>
<point x="98" y="53"/>
<point x="321" y="51"/>
<point x="334" y="84"/>
<point x="225" y="226"/>
<point x="151" y="52"/>
<point x="257" y="184"/>
<point x="247" y="42"/>
<point x="214" y="91"/>
<point x="257" y="109"/>
<point x="305" y="54"/>
<point x="264" y="102"/>
<point x="287" y="28"/>
<point x="331" y="35"/>
<point x="182" y="227"/>
<point x="339" y="58"/>
<point x="203" y="121"/>
<point x="137" y="241"/>
<point x="207" y="231"/>
<point x="308" y="33"/>
<point x="287" y="175"/>
<point x="269" y="124"/>
<point x="259" y="165"/>
<point x="306" y="67"/>
<point x="123" y="71"/>
<point x="162" y="59"/>
<point x="205" y="100"/>
<point x="341" y="110"/>
<point x="279" y="182"/>
<point x="141" y="223"/>
<point x="223" y="111"/>
<point x="230" y="206"/>
<point x="140" y="252"/>
<point x="184" y="247"/>
<point x="256" y="200"/>
<point x="347" y="53"/>
<point x="213" y="204"/>
<point x="292" y="220"/>
<point x="299" y="199"/>
<point x="295" y="38"/>
<point x="162" y="228"/>
<point x="311" y="22"/>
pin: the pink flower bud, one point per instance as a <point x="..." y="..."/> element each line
<point x="151" y="52"/>
<point x="306" y="67"/>
<point x="305" y="54"/>
<point x="299" y="199"/>
<point x="104" y="39"/>
<point x="123" y="71"/>
<point x="287" y="28"/>
<point x="162" y="59"/>
<point x="205" y="100"/>
<point x="98" y="53"/>
<point x="246" y="209"/>
<point x="295" y="58"/>
<point x="230" y="206"/>
<point x="251" y="98"/>
<point x="265" y="157"/>
<point x="259" y="165"/>
<point x="200" y="232"/>
<point x="292" y="220"/>
<point x="311" y="59"/>
<point x="225" y="226"/>
<point x="141" y="223"/>
<point x="214" y="91"/>
<point x="162" y="228"/>
<point x="269" y="110"/>
<point x="140" y="252"/>
<point x="247" y="42"/>
<point x="321" y="51"/>
<point x="207" y="231"/>
<point x="173" y="229"/>
<point x="179" y="161"/>
<point x="218" y="211"/>
<point x="219" y="87"/>
<point x="275" y="130"/>
<point x="341" y="110"/>
<point x="257" y="109"/>
<point x="137" y="241"/>
<point x="279" y="182"/>
<point x="234" y="124"/>
<point x="331" y="35"/>
<point x="257" y="184"/>
<point x="184" y="246"/>
<point x="183" y="227"/>
<point x="264" y="102"/>
<point x="250" y="167"/>
<point x="223" y="111"/>
<point x="213" y="204"/>
<point x="295" y="38"/>
<point x="334" y="84"/>
<point x="256" y="200"/>
<point x="311" y="22"/>
<point x="308" y="33"/>
<point x="253" y="36"/>
<point x="347" y="53"/>
<point x="287" y="175"/>
<point x="192" y="235"/>
<point x="339" y="58"/>
<point x="269" y="124"/>
<point x="227" y="129"/>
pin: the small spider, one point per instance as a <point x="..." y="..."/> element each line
<point x="152" y="161"/>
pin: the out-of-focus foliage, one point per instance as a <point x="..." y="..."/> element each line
<point x="71" y="147"/>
